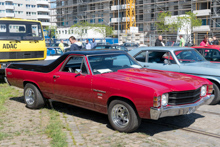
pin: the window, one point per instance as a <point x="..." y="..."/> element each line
<point x="212" y="55"/>
<point x="75" y="64"/>
<point x="141" y="56"/>
<point x="189" y="56"/>
<point x="160" y="57"/>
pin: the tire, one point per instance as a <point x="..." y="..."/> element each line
<point x="130" y="121"/>
<point x="216" y="92"/>
<point x="32" y="97"/>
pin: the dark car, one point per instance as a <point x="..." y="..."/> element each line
<point x="57" y="44"/>
<point x="117" y="47"/>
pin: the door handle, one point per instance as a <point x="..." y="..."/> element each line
<point x="55" y="76"/>
<point x="146" y="65"/>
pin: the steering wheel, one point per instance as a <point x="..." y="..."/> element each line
<point x="125" y="66"/>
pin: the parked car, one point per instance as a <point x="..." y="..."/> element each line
<point x="211" y="52"/>
<point x="57" y="44"/>
<point x="117" y="47"/>
<point x="131" y="46"/>
<point x="53" y="53"/>
<point x="110" y="82"/>
<point x="184" y="60"/>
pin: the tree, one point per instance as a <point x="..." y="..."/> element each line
<point x="51" y="30"/>
<point x="176" y="23"/>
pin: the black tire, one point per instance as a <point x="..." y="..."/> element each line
<point x="129" y="126"/>
<point x="216" y="92"/>
<point x="32" y="97"/>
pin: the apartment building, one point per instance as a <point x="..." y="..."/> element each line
<point x="110" y="12"/>
<point x="27" y="9"/>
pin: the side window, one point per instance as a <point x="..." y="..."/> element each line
<point x="200" y="51"/>
<point x="215" y="56"/>
<point x="74" y="64"/>
<point x="160" y="57"/>
<point x="141" y="56"/>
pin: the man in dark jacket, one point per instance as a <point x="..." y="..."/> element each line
<point x="74" y="44"/>
<point x="159" y="41"/>
<point x="215" y="41"/>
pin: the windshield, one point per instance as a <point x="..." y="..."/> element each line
<point x="189" y="56"/>
<point x="111" y="63"/>
<point x="54" y="51"/>
<point x="20" y="30"/>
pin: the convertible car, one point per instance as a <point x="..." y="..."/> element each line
<point x="110" y="82"/>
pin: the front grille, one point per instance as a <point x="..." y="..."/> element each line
<point x="21" y="55"/>
<point x="184" y="97"/>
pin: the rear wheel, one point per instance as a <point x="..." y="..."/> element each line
<point x="33" y="97"/>
<point x="122" y="116"/>
<point x="216" y="92"/>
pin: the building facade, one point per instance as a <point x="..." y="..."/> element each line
<point x="109" y="12"/>
<point x="27" y="9"/>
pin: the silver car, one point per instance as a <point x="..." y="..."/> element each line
<point x="184" y="60"/>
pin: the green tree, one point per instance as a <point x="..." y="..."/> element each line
<point x="51" y="30"/>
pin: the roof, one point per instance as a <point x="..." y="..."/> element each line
<point x="208" y="47"/>
<point x="16" y="19"/>
<point x="94" y="52"/>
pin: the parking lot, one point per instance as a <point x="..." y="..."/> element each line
<point x="88" y="128"/>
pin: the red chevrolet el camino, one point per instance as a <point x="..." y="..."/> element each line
<point x="110" y="82"/>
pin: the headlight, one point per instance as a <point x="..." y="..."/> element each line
<point x="203" y="90"/>
<point x="164" y="99"/>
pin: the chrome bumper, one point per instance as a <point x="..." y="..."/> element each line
<point x="156" y="113"/>
<point x="6" y="81"/>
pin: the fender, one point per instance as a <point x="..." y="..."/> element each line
<point x="212" y="78"/>
<point x="31" y="81"/>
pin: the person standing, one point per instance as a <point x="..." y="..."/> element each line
<point x="215" y="41"/>
<point x="210" y="41"/>
<point x="74" y="44"/>
<point x="142" y="44"/>
<point x="205" y="41"/>
<point x="93" y="44"/>
<point x="88" y="45"/>
<point x="182" y="41"/>
<point x="159" y="41"/>
<point x="61" y="45"/>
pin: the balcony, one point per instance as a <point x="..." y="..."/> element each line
<point x="116" y="7"/>
<point x="205" y="12"/>
<point x="45" y="23"/>
<point x="43" y="16"/>
<point x="43" y="9"/>
<point x="9" y="7"/>
<point x="9" y="15"/>
<point x="42" y="2"/>
<point x="123" y="19"/>
<point x="202" y="29"/>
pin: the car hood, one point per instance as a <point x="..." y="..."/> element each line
<point x="159" y="80"/>
<point x="201" y="68"/>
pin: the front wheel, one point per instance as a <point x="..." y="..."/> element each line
<point x="122" y="116"/>
<point x="216" y="92"/>
<point x="33" y="97"/>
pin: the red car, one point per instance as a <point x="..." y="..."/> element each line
<point x="110" y="82"/>
<point x="211" y="52"/>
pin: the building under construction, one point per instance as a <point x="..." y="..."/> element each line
<point x="115" y="13"/>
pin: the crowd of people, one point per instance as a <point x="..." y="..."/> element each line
<point x="77" y="44"/>
<point x="206" y="41"/>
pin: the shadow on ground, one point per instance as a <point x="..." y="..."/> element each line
<point x="148" y="127"/>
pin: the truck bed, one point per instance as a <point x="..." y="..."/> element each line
<point x="44" y="66"/>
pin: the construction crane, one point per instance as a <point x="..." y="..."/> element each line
<point x="130" y="15"/>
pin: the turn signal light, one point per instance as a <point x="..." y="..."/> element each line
<point x="157" y="101"/>
<point x="210" y="89"/>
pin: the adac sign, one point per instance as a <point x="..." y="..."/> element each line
<point x="9" y="46"/>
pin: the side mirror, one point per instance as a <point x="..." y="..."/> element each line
<point x="78" y="72"/>
<point x="166" y="62"/>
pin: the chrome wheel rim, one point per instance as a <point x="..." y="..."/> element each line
<point x="120" y="115"/>
<point x="29" y="96"/>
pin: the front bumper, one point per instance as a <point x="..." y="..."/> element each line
<point x="156" y="113"/>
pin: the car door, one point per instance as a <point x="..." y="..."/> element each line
<point x="161" y="60"/>
<point x="71" y="86"/>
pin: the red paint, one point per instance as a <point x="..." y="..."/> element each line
<point x="138" y="85"/>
